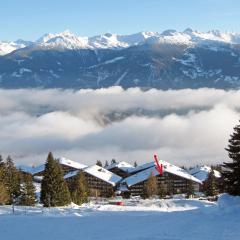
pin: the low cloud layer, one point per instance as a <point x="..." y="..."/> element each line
<point x="183" y="126"/>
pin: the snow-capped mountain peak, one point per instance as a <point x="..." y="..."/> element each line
<point x="106" y="40"/>
<point x="64" y="39"/>
<point x="8" y="47"/>
<point x="68" y="40"/>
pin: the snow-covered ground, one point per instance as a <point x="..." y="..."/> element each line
<point x="173" y="219"/>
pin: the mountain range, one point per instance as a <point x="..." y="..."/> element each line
<point x="167" y="60"/>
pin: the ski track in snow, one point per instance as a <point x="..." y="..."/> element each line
<point x="121" y="78"/>
<point x="175" y="219"/>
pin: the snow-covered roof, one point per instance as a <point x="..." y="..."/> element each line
<point x="71" y="174"/>
<point x="167" y="167"/>
<point x="62" y="160"/>
<point x="71" y="163"/>
<point x="103" y="174"/>
<point x="142" y="167"/>
<point x="32" y="170"/>
<point x="201" y="172"/>
<point x="127" y="167"/>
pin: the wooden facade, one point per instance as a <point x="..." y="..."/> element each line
<point x="98" y="187"/>
<point x="172" y="184"/>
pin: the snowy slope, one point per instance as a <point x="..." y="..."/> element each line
<point x="146" y="220"/>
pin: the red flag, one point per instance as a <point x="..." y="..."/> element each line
<point x="159" y="166"/>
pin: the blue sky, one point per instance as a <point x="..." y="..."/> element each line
<point x="29" y="19"/>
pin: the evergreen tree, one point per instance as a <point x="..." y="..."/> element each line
<point x="150" y="187"/>
<point x="113" y="161"/>
<point x="1" y="161"/>
<point x="190" y="189"/>
<point x="54" y="189"/>
<point x="99" y="163"/>
<point x="109" y="193"/>
<point x="231" y="172"/>
<point x="106" y="164"/>
<point x="4" y="195"/>
<point x="11" y="178"/>
<point x="162" y="192"/>
<point x="79" y="189"/>
<point x="135" y="164"/>
<point x="2" y="169"/>
<point x="27" y="191"/>
<point x="210" y="185"/>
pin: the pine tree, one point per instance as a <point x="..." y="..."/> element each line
<point x="113" y="161"/>
<point x="54" y="189"/>
<point x="150" y="187"/>
<point x="109" y="193"/>
<point x="210" y="185"/>
<point x="12" y="180"/>
<point x="231" y="172"/>
<point x="27" y="191"/>
<point x="2" y="169"/>
<point x="162" y="192"/>
<point x="190" y="189"/>
<point x="106" y="164"/>
<point x="135" y="164"/>
<point x="1" y="161"/>
<point x="79" y="189"/>
<point x="99" y="163"/>
<point x="4" y="194"/>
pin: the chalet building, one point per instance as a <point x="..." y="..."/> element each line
<point x="101" y="182"/>
<point x="122" y="169"/>
<point x="142" y="167"/>
<point x="174" y="179"/>
<point x="123" y="178"/>
<point x="69" y="165"/>
<point x="202" y="173"/>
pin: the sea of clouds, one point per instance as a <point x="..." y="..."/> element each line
<point x="185" y="127"/>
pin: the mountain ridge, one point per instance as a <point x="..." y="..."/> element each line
<point x="69" y="40"/>
<point x="170" y="60"/>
